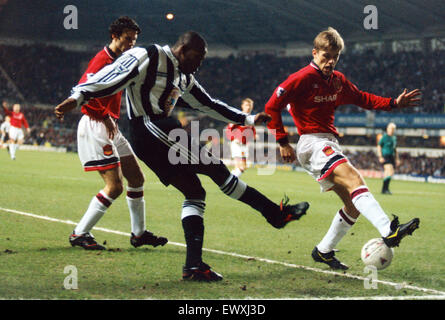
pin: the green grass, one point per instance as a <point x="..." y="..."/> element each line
<point x="34" y="252"/>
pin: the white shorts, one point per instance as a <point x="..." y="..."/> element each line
<point x="319" y="154"/>
<point x="16" y="133"/>
<point x="96" y="151"/>
<point x="239" y="150"/>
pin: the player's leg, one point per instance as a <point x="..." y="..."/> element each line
<point x="192" y="217"/>
<point x="96" y="153"/>
<point x="98" y="206"/>
<point x="278" y="215"/>
<point x="136" y="204"/>
<point x="240" y="167"/>
<point x="14" y="134"/>
<point x="343" y="220"/>
<point x="392" y="232"/>
<point x="388" y="172"/>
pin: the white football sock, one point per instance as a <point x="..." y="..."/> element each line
<point x="136" y="206"/>
<point x="368" y="206"/>
<point x="339" y="227"/>
<point x="12" y="149"/>
<point x="97" y="208"/>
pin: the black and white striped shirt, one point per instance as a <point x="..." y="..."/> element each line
<point x="152" y="80"/>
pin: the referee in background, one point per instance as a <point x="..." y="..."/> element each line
<point x="388" y="156"/>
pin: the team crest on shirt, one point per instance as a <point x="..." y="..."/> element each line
<point x="336" y="82"/>
<point x="328" y="150"/>
<point x="108" y="150"/>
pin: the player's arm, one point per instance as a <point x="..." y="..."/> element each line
<point x="369" y="101"/>
<point x="282" y="95"/>
<point x="108" y="81"/>
<point x="197" y="98"/>
<point x="379" y="151"/>
<point x="26" y="125"/>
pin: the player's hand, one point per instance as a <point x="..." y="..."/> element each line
<point x="408" y="99"/>
<point x="288" y="153"/>
<point x="381" y="159"/>
<point x="111" y="127"/>
<point x="261" y="118"/>
<point x="66" y="106"/>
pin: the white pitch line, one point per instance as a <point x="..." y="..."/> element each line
<point x="437" y="294"/>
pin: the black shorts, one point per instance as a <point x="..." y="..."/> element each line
<point x="389" y="160"/>
<point x="166" y="157"/>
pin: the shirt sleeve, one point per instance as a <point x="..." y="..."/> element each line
<point x="25" y="122"/>
<point x="281" y="97"/>
<point x="109" y="80"/>
<point x="365" y="100"/>
<point x="197" y="98"/>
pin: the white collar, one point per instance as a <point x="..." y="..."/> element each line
<point x="169" y="53"/>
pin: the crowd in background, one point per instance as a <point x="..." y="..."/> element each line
<point x="45" y="75"/>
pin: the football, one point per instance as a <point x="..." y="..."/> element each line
<point x="376" y="253"/>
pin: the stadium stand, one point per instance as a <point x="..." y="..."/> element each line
<point x="46" y="73"/>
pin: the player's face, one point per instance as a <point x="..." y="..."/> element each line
<point x="190" y="60"/>
<point x="246" y="107"/>
<point x="126" y="40"/>
<point x="16" y="108"/>
<point x="326" y="59"/>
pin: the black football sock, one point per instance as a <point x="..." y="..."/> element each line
<point x="261" y="203"/>
<point x="194" y="237"/>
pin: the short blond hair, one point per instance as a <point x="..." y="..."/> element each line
<point x="248" y="100"/>
<point x="329" y="39"/>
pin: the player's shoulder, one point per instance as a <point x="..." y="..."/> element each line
<point x="303" y="75"/>
<point x="339" y="75"/>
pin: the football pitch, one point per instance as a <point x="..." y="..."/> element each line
<point x="44" y="194"/>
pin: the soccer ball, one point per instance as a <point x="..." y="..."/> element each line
<point x="376" y="253"/>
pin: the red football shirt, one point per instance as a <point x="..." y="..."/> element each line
<point x="17" y="118"/>
<point x="243" y="134"/>
<point x="313" y="99"/>
<point x="98" y="108"/>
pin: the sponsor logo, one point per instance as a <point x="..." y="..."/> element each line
<point x="330" y="98"/>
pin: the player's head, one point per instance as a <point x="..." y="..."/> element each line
<point x="247" y="105"/>
<point x="391" y="128"/>
<point x="16" y="107"/>
<point x="7" y="119"/>
<point x="328" y="45"/>
<point x="124" y="32"/>
<point x="190" y="50"/>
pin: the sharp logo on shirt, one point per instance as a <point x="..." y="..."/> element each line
<point x="280" y="92"/>
<point x="329" y="98"/>
<point x="108" y="150"/>
<point x="328" y="151"/>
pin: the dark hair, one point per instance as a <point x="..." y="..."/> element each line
<point x="118" y="26"/>
<point x="192" y="40"/>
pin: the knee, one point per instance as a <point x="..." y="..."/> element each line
<point x="115" y="189"/>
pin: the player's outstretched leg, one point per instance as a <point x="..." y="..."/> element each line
<point x="278" y="215"/>
<point x="399" y="231"/>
